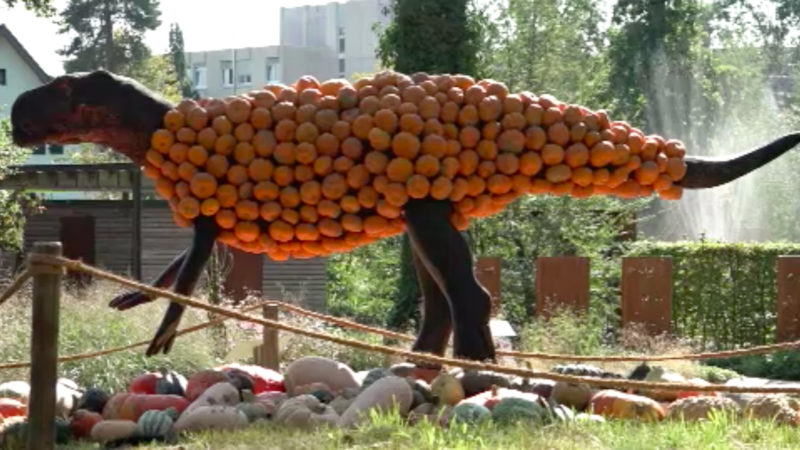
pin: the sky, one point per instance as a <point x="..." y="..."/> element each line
<point x="206" y="25"/>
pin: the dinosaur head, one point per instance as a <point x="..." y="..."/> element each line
<point x="97" y="107"/>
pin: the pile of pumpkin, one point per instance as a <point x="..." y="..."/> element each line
<point x="317" y="168"/>
<point x="314" y="391"/>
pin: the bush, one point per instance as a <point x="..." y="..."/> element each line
<point x="723" y="294"/>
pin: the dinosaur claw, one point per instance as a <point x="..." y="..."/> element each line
<point x="129" y="300"/>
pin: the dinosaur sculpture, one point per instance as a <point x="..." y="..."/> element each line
<point x="519" y="147"/>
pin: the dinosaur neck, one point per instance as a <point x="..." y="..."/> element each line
<point x="704" y="173"/>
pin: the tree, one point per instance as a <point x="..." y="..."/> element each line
<point x="13" y="205"/>
<point x="178" y="57"/>
<point x="109" y="33"/>
<point x="43" y="8"/>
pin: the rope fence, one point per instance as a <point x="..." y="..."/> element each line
<point x="78" y="266"/>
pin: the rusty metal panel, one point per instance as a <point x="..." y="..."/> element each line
<point x="561" y="282"/>
<point x="788" y="326"/>
<point x="487" y="271"/>
<point x="647" y="293"/>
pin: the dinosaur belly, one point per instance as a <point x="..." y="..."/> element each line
<point x="319" y="168"/>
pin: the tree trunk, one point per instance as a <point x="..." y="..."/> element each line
<point x="108" y="37"/>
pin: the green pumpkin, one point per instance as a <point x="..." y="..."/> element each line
<point x="470" y="413"/>
<point x="154" y="424"/>
<point x="94" y="400"/>
<point x="253" y="411"/>
<point x="512" y="409"/>
<point x="15" y="436"/>
<point x="373" y="376"/>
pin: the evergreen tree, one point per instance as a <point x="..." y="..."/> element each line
<point x="109" y="34"/>
<point x="40" y="7"/>
<point x="178" y="58"/>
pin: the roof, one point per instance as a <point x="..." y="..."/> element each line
<point x="15" y="44"/>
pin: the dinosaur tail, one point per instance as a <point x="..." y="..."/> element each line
<point x="704" y="173"/>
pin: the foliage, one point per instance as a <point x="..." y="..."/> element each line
<point x="723" y="294"/>
<point x="178" y="57"/>
<point x="13" y="205"/>
<point x="107" y="33"/>
<point x="43" y="8"/>
<point x="439" y="36"/>
<point x="777" y="366"/>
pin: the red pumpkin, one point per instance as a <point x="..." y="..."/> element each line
<point x="492" y="397"/>
<point x="203" y="380"/>
<point x="134" y="405"/>
<point x="82" y="422"/>
<point x="145" y="383"/>
<point x="10" y="407"/>
<point x="264" y="380"/>
<point x="612" y="403"/>
<point x="111" y="408"/>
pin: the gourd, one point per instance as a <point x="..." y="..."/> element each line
<point x="82" y="422"/>
<point x="776" y="407"/>
<point x="305" y="411"/>
<point x="113" y="430"/>
<point x="661" y="375"/>
<point x="447" y="389"/>
<point x="254" y="411"/>
<point x="171" y="383"/>
<point x="492" y="397"/>
<point x="134" y="405"/>
<point x="611" y="403"/>
<point x="211" y="417"/>
<point x="155" y="424"/>
<point x="264" y="380"/>
<point x="470" y="413"/>
<point x="201" y="381"/>
<point x="699" y="407"/>
<point x="574" y="395"/>
<point x="12" y="408"/>
<point x="144" y="384"/>
<point x="512" y="409"/>
<point x="477" y="381"/>
<point x="93" y="399"/>
<point x="373" y="375"/>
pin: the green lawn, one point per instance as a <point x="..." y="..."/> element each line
<point x="387" y="433"/>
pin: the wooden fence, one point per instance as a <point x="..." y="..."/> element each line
<point x="646" y="290"/>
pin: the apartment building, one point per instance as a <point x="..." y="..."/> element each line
<point x="346" y="28"/>
<point x="326" y="41"/>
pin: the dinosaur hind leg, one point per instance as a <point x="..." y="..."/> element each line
<point x="446" y="256"/>
<point x="166" y="278"/>
<point x="436" y="316"/>
<point x="205" y="233"/>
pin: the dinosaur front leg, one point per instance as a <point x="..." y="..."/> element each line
<point x="446" y="256"/>
<point x="436" y="323"/>
<point x="165" y="279"/>
<point x="205" y="233"/>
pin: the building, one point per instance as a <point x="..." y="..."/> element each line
<point x="336" y="40"/>
<point x="346" y="28"/>
<point x="219" y="73"/>
<point x="19" y="72"/>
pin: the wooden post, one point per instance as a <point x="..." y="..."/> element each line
<point x="647" y="293"/>
<point x="487" y="271"/>
<point x="561" y="281"/>
<point x="136" y="239"/>
<point x="266" y="354"/>
<point x="788" y="326"/>
<point x="44" y="349"/>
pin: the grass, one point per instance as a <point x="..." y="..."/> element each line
<point x="388" y="432"/>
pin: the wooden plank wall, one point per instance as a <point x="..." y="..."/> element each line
<point x="300" y="281"/>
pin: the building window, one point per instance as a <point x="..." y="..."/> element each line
<point x="273" y="69"/>
<point x="56" y="149"/>
<point x="341" y="67"/>
<point x="199" y="77"/>
<point x="245" y="78"/>
<point x="2" y="77"/>
<point x="39" y="150"/>
<point x="341" y="40"/>
<point x="227" y="73"/>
